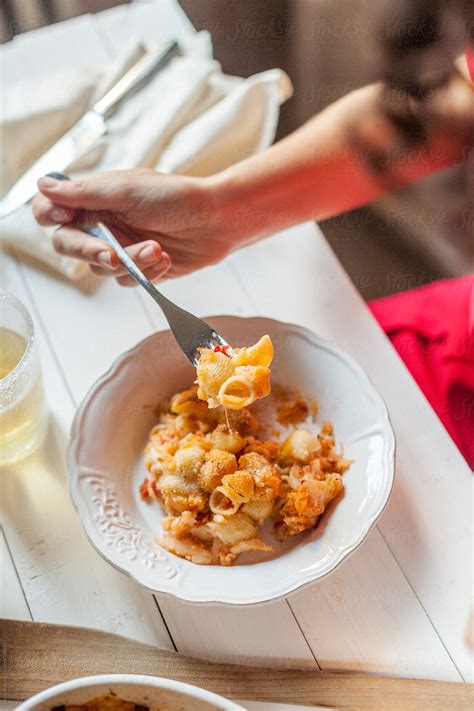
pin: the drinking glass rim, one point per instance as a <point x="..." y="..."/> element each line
<point x="5" y="296"/>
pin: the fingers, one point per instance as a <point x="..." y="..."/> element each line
<point x="101" y="191"/>
<point x="152" y="273"/>
<point x="46" y="213"/>
<point x="144" y="254"/>
<point x="72" y="242"/>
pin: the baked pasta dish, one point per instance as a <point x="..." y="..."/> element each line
<point x="234" y="377"/>
<point x="109" y="702"/>
<point x="220" y="475"/>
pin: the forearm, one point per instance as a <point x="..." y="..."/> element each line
<point x="347" y="156"/>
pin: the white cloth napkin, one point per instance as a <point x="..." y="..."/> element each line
<point x="190" y="119"/>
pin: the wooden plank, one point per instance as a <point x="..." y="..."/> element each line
<point x="212" y="291"/>
<point x="13" y="603"/>
<point x="266" y="635"/>
<point x="431" y="474"/>
<point x="88" y="328"/>
<point x="365" y="617"/>
<point x="30" y="669"/>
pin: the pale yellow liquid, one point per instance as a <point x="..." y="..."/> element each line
<point x="22" y="412"/>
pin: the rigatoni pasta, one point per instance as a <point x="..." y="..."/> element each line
<point x="234" y="378"/>
<point x="219" y="480"/>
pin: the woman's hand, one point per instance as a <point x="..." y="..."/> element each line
<point x="169" y="224"/>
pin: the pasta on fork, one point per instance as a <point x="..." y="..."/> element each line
<point x="235" y="378"/>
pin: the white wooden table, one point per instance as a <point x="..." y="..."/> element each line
<point x="400" y="605"/>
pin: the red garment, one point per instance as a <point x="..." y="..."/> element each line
<point x="470" y="62"/>
<point x="432" y="329"/>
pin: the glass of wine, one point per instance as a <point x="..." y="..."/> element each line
<point x="23" y="412"/>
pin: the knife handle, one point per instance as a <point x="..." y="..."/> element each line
<point x="139" y="75"/>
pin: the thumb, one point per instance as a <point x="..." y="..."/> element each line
<point x="103" y="191"/>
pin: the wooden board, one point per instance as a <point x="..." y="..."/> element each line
<point x="38" y="656"/>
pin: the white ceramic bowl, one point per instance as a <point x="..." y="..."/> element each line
<point x="150" y="691"/>
<point x="106" y="465"/>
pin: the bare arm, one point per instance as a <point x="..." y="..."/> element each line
<point x="367" y="143"/>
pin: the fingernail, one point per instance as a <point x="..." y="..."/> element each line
<point x="59" y="216"/>
<point x="48" y="182"/>
<point x="104" y="259"/>
<point x="148" y="255"/>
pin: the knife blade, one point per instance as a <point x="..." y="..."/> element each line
<point x="88" y="129"/>
<point x="73" y="144"/>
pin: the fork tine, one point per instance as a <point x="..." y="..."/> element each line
<point x="191" y="332"/>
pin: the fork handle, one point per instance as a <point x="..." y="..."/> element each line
<point x="103" y="233"/>
<point x="171" y="311"/>
<point x="176" y="316"/>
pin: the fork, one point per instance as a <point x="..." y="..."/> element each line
<point x="190" y="332"/>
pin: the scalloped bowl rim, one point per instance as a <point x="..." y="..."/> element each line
<point x="302" y="580"/>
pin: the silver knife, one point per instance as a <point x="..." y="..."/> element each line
<point x="88" y="129"/>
